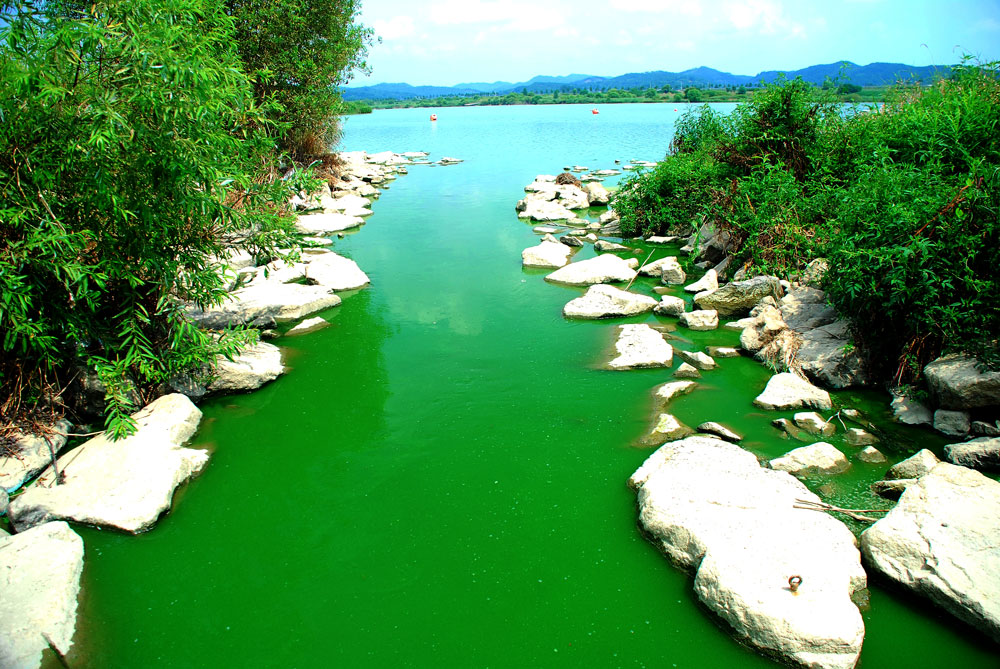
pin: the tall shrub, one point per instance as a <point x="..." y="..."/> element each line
<point x="126" y="165"/>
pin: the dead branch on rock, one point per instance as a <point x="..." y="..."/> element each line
<point x="851" y="513"/>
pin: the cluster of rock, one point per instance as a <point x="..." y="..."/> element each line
<point x="547" y="200"/>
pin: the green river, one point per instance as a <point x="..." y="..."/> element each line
<point x="439" y="480"/>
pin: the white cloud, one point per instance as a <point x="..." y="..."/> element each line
<point x="464" y="12"/>
<point x="686" y="7"/>
<point x="394" y="28"/>
<point x="764" y="16"/>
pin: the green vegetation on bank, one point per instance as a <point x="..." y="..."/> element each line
<point x="842" y="93"/>
<point x="137" y="146"/>
<point x="903" y="201"/>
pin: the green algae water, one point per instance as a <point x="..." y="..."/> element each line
<point x="439" y="480"/>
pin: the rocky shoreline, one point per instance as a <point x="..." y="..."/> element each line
<point x="128" y="485"/>
<point x="715" y="510"/>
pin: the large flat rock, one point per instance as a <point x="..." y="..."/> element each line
<point x="326" y="223"/>
<point x="546" y="254"/>
<point x="715" y="511"/>
<point x="126" y="484"/>
<point x="39" y="582"/>
<point x="604" y="301"/>
<point x="942" y="540"/>
<point x="335" y="272"/>
<point x="788" y="391"/>
<point x="251" y="369"/>
<point x="265" y="304"/>
<point x="605" y="268"/>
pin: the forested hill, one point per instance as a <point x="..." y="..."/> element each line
<point x="874" y="74"/>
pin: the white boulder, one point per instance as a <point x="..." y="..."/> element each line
<point x="308" y="325"/>
<point x="603" y="301"/>
<point x="335" y="272"/>
<point x="703" y="319"/>
<point x="40" y="579"/>
<point x="981" y="453"/>
<point x="251" y="369"/>
<point x="671" y="272"/>
<point x="640" y="346"/>
<point x="706" y="283"/>
<point x="713" y="510"/>
<point x="126" y="484"/>
<point x="788" y="391"/>
<point x="818" y="458"/>
<point x="940" y="541"/>
<point x="326" y="223"/>
<point x="605" y="268"/>
<point x="546" y="254"/>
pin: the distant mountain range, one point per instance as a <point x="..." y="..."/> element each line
<point x="874" y="74"/>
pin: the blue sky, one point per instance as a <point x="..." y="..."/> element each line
<point x="445" y="42"/>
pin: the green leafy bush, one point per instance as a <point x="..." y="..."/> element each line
<point x="902" y="199"/>
<point x="126" y="163"/>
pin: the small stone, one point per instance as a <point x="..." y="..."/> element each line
<point x="686" y="371"/>
<point x="914" y="466"/>
<point x="701" y="320"/>
<point x="871" y="455"/>
<point x="671" y="272"/>
<point x="670" y="306"/>
<point x="640" y="346"/>
<point x="308" y="325"/>
<point x="723" y="352"/>
<point x="603" y="246"/>
<point x="698" y="359"/>
<point x="708" y="282"/>
<point x="666" y="428"/>
<point x="787" y="391"/>
<point x="664" y="393"/>
<point x="858" y="437"/>
<point x="911" y="412"/>
<point x="813" y="423"/>
<point x="819" y="458"/>
<point x="720" y="430"/>
<point x="984" y="429"/>
<point x="891" y="489"/>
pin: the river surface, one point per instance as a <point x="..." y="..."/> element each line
<point x="439" y="481"/>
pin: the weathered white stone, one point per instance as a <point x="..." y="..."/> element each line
<point x="603" y="301"/>
<point x="665" y="428"/>
<point x="656" y="239"/>
<point x="952" y="423"/>
<point x="712" y="509"/>
<point x="871" y="455"/>
<point x="605" y="268"/>
<point x="349" y="204"/>
<point x="670" y="306"/>
<point x="702" y="361"/>
<point x="308" y="325"/>
<point x="654" y="268"/>
<point x="40" y="579"/>
<point x="703" y="319"/>
<point x="723" y="352"/>
<point x="788" y="391"/>
<point x="125" y="484"/>
<point x="818" y="458"/>
<point x="546" y="254"/>
<point x="251" y="369"/>
<point x="571" y="240"/>
<point x="543" y="210"/>
<point x="857" y="437"/>
<point x="597" y="194"/>
<point x="640" y="346"/>
<point x="686" y="371"/>
<point x="604" y="246"/>
<point x="957" y="382"/>
<point x="664" y="393"/>
<point x="708" y="282"/>
<point x="671" y="272"/>
<point x="263" y="304"/>
<point x="326" y="223"/>
<point x="981" y="453"/>
<point x="940" y="541"/>
<point x="813" y="423"/>
<point x="911" y="412"/>
<point x="572" y="197"/>
<point x="720" y="430"/>
<point x="739" y="297"/>
<point x="913" y="467"/>
<point x="32" y="454"/>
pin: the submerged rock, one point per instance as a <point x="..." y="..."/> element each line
<point x="940" y="541"/>
<point x="686" y="371"/>
<point x="708" y="282"/>
<point x="603" y="301"/>
<point x="665" y="428"/>
<point x="308" y="325"/>
<point x="702" y="361"/>
<point x="714" y="510"/>
<point x="857" y="437"/>
<point x="640" y="346"/>
<point x="911" y="412"/>
<point x="818" y="458"/>
<point x="720" y="431"/>
<point x="700" y="320"/>
<point x="871" y="455"/>
<point x="327" y="223"/>
<point x="605" y="268"/>
<point x="788" y="391"/>
<point x="813" y="423"/>
<point x="663" y="393"/>
<point x="126" y="484"/>
<point x="40" y="579"/>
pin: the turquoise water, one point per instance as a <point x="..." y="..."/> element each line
<point x="439" y="481"/>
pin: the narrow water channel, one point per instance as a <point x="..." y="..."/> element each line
<point x="439" y="481"/>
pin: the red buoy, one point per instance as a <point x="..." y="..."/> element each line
<point x="434" y="117"/>
<point x="594" y="111"/>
